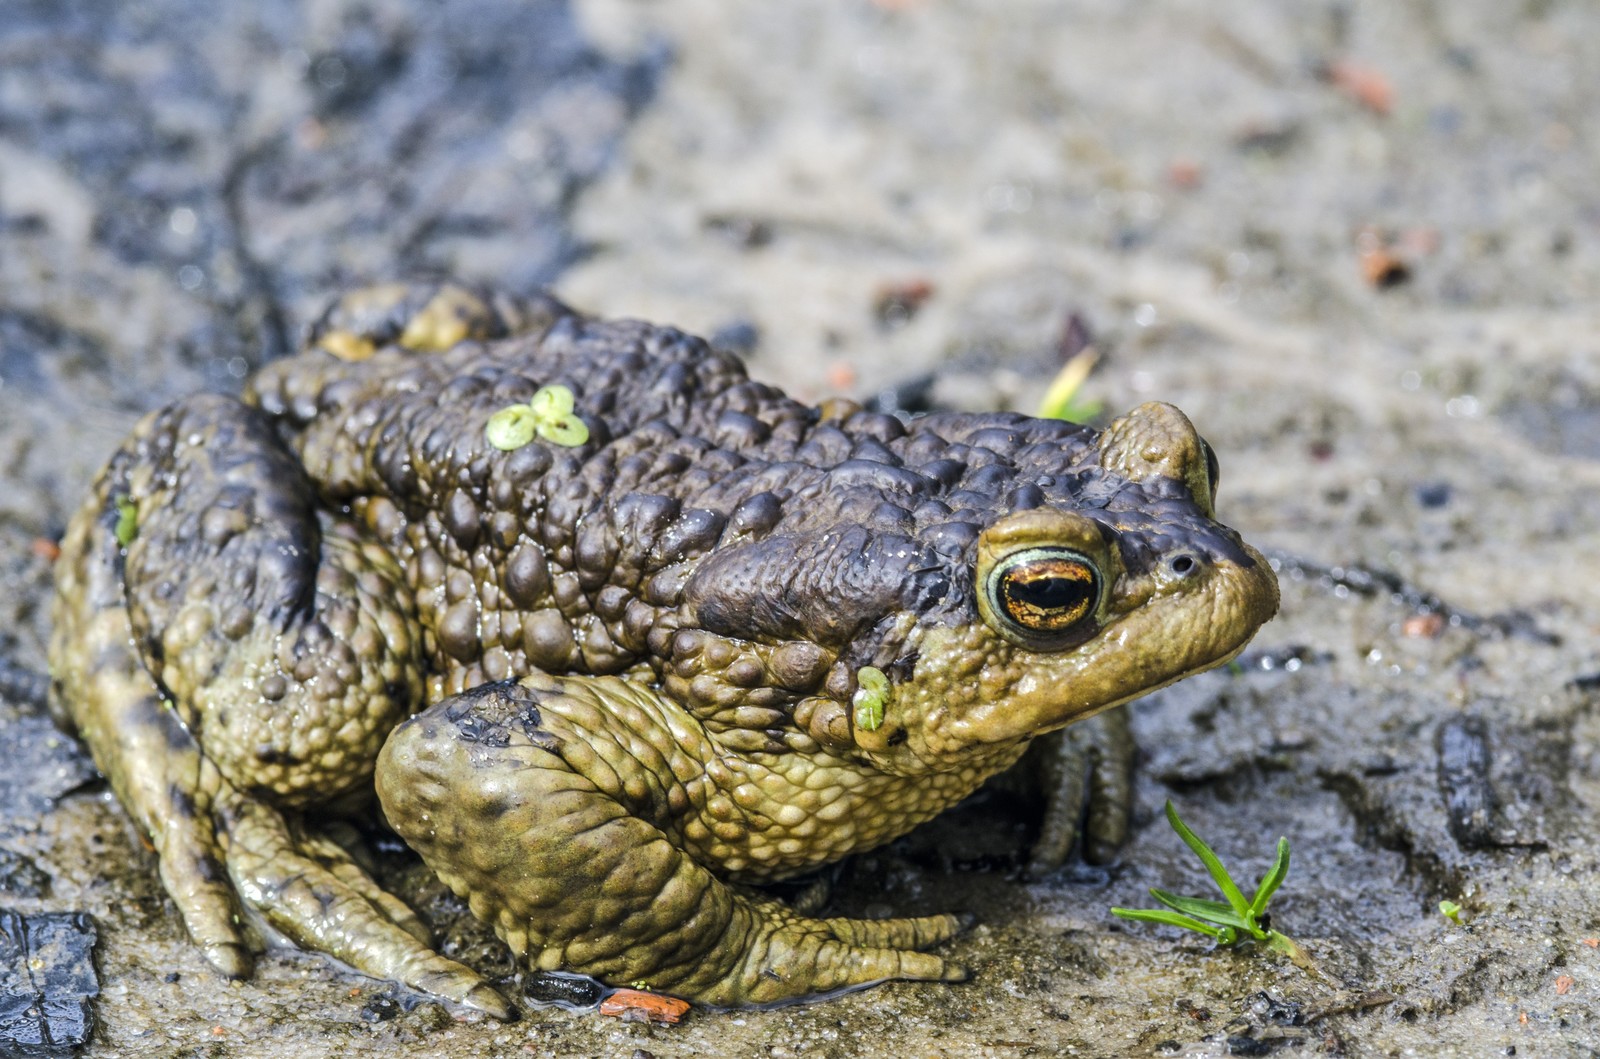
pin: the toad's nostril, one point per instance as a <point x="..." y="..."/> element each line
<point x="1183" y="565"/>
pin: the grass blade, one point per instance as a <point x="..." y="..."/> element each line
<point x="1272" y="880"/>
<point x="1171" y="919"/>
<point x="1064" y="399"/>
<point x="1199" y="908"/>
<point x="1213" y="863"/>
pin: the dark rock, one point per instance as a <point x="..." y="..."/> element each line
<point x="1463" y="747"/>
<point x="564" y="990"/>
<point x="47" y="982"/>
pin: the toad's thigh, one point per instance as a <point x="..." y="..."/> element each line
<point x="279" y="634"/>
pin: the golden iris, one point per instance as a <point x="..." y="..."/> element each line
<point x="1045" y="591"/>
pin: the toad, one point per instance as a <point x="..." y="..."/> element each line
<point x="675" y="637"/>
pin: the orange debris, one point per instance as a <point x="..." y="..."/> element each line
<point x="1364" y="84"/>
<point x="637" y="1006"/>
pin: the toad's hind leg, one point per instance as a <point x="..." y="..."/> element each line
<point x="565" y="812"/>
<point x="234" y="659"/>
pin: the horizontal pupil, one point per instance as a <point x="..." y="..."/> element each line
<point x="1050" y="593"/>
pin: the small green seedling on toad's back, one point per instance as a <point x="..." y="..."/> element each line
<point x="1451" y="911"/>
<point x="549" y="415"/>
<point x="1228" y="922"/>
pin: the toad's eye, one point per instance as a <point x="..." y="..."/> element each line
<point x="1046" y="595"/>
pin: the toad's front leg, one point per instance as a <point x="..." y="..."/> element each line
<point x="570" y="813"/>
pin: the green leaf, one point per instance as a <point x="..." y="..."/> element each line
<point x="551" y="403"/>
<point x="570" y="431"/>
<point x="511" y="428"/>
<point x="1212" y="911"/>
<point x="869" y="712"/>
<point x="127" y="526"/>
<point x="1064" y="399"/>
<point x="1171" y="919"/>
<point x="1272" y="880"/>
<point x="1213" y="863"/>
<point x="872" y="696"/>
<point x="873" y="679"/>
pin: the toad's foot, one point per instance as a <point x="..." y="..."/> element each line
<point x="769" y="953"/>
<point x="1085" y="775"/>
<point x="308" y="888"/>
<point x="577" y="840"/>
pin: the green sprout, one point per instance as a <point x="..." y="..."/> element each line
<point x="127" y="526"/>
<point x="548" y="415"/>
<point x="871" y="697"/>
<point x="1228" y="922"/>
<point x="1451" y="911"/>
<point x="1064" y="399"/>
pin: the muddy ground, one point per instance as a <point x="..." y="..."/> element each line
<point x="1359" y="242"/>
